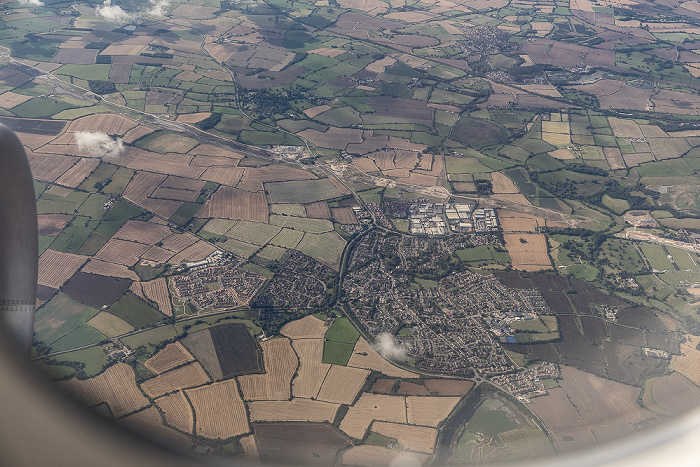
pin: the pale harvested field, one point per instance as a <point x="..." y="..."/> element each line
<point x="56" y="267"/>
<point x="175" y="194"/>
<point x="688" y="362"/>
<point x="178" y="242"/>
<point x="109" y="325"/>
<point x="141" y="186"/>
<point x="149" y="161"/>
<point x="512" y="221"/>
<point x="195" y="252"/>
<point x="79" y="172"/>
<point x="296" y="410"/>
<point x="365" y="164"/>
<point x="380" y="65"/>
<point x="342" y="384"/>
<point x="219" y="410"/>
<point x="328" y="52"/>
<point x="671" y="395"/>
<point x="194" y="117"/>
<point x="556" y="139"/>
<point x="136" y="133"/>
<point x="50" y="166"/>
<point x="379" y="456"/>
<point x="169" y="357"/>
<point x="421" y="180"/>
<point x="230" y="203"/>
<point x="314" y="111"/>
<point x="544" y="89"/>
<point x="312" y="371"/>
<point x="276" y="173"/>
<point x="157" y="291"/>
<point x="136" y="289"/>
<point x="32" y="141"/>
<point x="107" y="123"/>
<point x="411" y="16"/>
<point x="149" y="424"/>
<point x="224" y="175"/>
<point x="372" y="7"/>
<point x="184" y="377"/>
<point x="250" y="448"/>
<point x="308" y="327"/>
<point x="147" y="233"/>
<point x="121" y="252"/>
<point x="513" y="197"/>
<point x="365" y="356"/>
<point x="409" y="159"/>
<point x="157" y="254"/>
<point x="373" y="407"/>
<point x="601" y="401"/>
<point x="104" y="268"/>
<point x="124" y="49"/>
<point x="632" y="160"/>
<point x="177" y="411"/>
<point x="502" y="184"/>
<point x="429" y="411"/>
<point x="116" y="387"/>
<point x="280" y="365"/>
<point x="614" y="158"/>
<point x="529" y="256"/>
<point x="11" y="99"/>
<point x="562" y="154"/>
<point x="216" y="151"/>
<point x="623" y="128"/>
<point x="333" y="138"/>
<point x="412" y="438"/>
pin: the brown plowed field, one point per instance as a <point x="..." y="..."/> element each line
<point x="177" y="411"/>
<point x="406" y="388"/>
<point x="121" y="252"/>
<point x="105" y="268"/>
<point x="230" y="203"/>
<point x="55" y="267"/>
<point x="296" y="410"/>
<point x="116" y="386"/>
<point x="344" y="215"/>
<point x="157" y="291"/>
<point x="276" y="173"/>
<point x="373" y="407"/>
<point x="95" y="291"/>
<point x="342" y="384"/>
<point x="412" y="438"/>
<point x="188" y="376"/>
<point x="364" y="356"/>
<point x="175" y="194"/>
<point x="169" y="357"/>
<point x="309" y="327"/>
<point x="51" y="225"/>
<point x="318" y="210"/>
<point x="298" y="443"/>
<point x="280" y="365"/>
<point x="219" y="410"/>
<point x="429" y="411"/>
<point x="79" y="172"/>
<point x="312" y="371"/>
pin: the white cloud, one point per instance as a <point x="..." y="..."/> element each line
<point x="98" y="143"/>
<point x="113" y="13"/>
<point x="159" y="7"/>
<point x="388" y="348"/>
<point x="32" y="2"/>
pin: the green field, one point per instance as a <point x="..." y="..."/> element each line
<point x="327" y="247"/>
<point x="489" y="420"/>
<point x="656" y="255"/>
<point x="339" y="342"/>
<point x="93" y="360"/>
<point x="135" y="311"/>
<point x="59" y="317"/>
<point x="301" y="223"/>
<point x="302" y="191"/>
<point x="151" y="337"/>
<point x="483" y="255"/>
